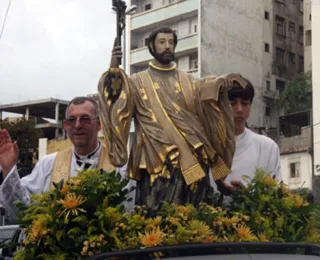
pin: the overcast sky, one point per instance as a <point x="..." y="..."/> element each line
<point x="54" y="48"/>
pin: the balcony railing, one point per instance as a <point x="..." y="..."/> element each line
<point x="166" y="12"/>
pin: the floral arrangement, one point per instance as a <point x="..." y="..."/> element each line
<point x="85" y="216"/>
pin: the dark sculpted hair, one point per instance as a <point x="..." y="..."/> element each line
<point x="81" y="100"/>
<point x="237" y="91"/>
<point x="154" y="34"/>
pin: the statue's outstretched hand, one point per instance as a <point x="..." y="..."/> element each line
<point x="9" y="152"/>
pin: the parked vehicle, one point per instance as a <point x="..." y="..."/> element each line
<point x="221" y="251"/>
<point x="17" y="235"/>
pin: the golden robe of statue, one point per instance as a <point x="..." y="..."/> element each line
<point x="182" y="129"/>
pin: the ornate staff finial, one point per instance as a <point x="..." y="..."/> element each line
<point x="120" y="7"/>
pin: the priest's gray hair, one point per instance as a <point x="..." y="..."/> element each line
<point x="81" y="100"/>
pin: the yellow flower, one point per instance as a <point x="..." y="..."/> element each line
<point x="269" y="182"/>
<point x="289" y="201"/>
<point x="262" y="237"/>
<point x="183" y="211"/>
<point x="39" y="228"/>
<point x="199" y="227"/>
<point x="153" y="222"/>
<point x="300" y="202"/>
<point x="173" y="221"/>
<point x="153" y="238"/>
<point x="71" y="203"/>
<point x="229" y="221"/>
<point x="245" y="234"/>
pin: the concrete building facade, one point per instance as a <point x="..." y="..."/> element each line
<point x="259" y="39"/>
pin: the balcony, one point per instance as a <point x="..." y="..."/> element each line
<point x="269" y="94"/>
<point x="168" y="12"/>
<point x="185" y="44"/>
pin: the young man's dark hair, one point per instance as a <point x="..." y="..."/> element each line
<point x="237" y="91"/>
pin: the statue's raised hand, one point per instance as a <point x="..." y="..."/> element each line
<point x="9" y="152"/>
<point x="116" y="55"/>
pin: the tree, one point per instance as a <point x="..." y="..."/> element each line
<point x="27" y="136"/>
<point x="297" y="96"/>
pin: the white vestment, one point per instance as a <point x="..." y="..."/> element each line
<point x="13" y="188"/>
<point x="253" y="151"/>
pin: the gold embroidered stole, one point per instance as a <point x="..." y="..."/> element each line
<point x="62" y="164"/>
<point x="190" y="167"/>
<point x="187" y="91"/>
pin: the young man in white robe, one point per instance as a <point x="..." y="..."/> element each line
<point x="252" y="150"/>
<point x="82" y="126"/>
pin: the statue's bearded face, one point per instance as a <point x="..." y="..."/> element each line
<point x="163" y="48"/>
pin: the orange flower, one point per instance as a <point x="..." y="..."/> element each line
<point x="71" y="203"/>
<point x="64" y="190"/>
<point x="210" y="239"/>
<point x="153" y="238"/>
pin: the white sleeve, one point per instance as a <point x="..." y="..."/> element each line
<point x="129" y="205"/>
<point x="13" y="188"/>
<point x="274" y="162"/>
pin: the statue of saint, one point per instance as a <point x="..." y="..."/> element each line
<point x="183" y="127"/>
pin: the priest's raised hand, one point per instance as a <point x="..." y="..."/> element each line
<point x="9" y="152"/>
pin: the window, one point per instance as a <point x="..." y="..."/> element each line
<point x="266" y="15"/>
<point x="292" y="30"/>
<point x="280" y="85"/>
<point x="193" y="63"/>
<point x="171" y="1"/>
<point x="281" y="1"/>
<point x="268" y="111"/>
<point x="280" y="57"/>
<point x="266" y="47"/>
<point x="291" y="58"/>
<point x="147" y="7"/>
<point x="146" y="41"/>
<point x="308" y="38"/>
<point x="268" y="85"/>
<point x="300" y="35"/>
<point x="195" y="28"/>
<point x="301" y="64"/>
<point x="280" y="26"/>
<point x="294" y="169"/>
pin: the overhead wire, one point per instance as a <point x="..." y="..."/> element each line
<point x="5" y="20"/>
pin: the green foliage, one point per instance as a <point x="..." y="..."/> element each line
<point x="273" y="210"/>
<point x="27" y="137"/>
<point x="297" y="95"/>
<point x="74" y="216"/>
<point x="84" y="217"/>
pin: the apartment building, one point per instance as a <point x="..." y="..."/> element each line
<point x="307" y="35"/>
<point x="257" y="38"/>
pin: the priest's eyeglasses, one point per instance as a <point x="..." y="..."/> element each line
<point x="84" y="120"/>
